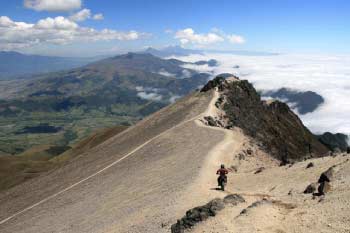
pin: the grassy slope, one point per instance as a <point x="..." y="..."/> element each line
<point x="39" y="159"/>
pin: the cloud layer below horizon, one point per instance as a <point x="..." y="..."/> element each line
<point x="329" y="76"/>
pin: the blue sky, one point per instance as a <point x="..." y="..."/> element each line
<point x="298" y="26"/>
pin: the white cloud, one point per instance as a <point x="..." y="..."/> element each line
<point x="324" y="74"/>
<point x="166" y="73"/>
<point x="82" y="15"/>
<point x="150" y="96"/>
<point x="98" y="17"/>
<point x="174" y="98"/>
<point x="236" y="39"/>
<point x="186" y="74"/>
<point x="189" y="36"/>
<point x="58" y="30"/>
<point x="58" y="23"/>
<point x="53" y="5"/>
<point x="6" y="21"/>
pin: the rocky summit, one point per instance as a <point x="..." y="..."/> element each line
<point x="272" y="123"/>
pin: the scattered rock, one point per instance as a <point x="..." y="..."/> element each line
<point x="164" y="224"/>
<point x="210" y="121"/>
<point x="324" y="188"/>
<point x="219" y="102"/>
<point x="311" y="164"/>
<point x="234" y="168"/>
<point x="311" y="188"/>
<point x="255" y="204"/>
<point x="326" y="176"/>
<point x="249" y="151"/>
<point x="241" y="156"/>
<point x="336" y="150"/>
<point x="260" y="169"/>
<point x="233" y="199"/>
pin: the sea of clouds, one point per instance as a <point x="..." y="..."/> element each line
<point x="327" y="75"/>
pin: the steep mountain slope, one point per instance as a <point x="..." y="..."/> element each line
<point x="279" y="130"/>
<point x="146" y="177"/>
<point x="17" y="64"/>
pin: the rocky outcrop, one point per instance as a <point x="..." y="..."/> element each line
<point x="280" y="132"/>
<point x="326" y="176"/>
<point x="202" y="213"/>
<point x="323" y="185"/>
<point x="213" y="83"/>
<point x="198" y="214"/>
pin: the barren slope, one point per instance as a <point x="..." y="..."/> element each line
<point x="150" y="166"/>
<point x="148" y="176"/>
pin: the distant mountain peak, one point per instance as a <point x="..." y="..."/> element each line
<point x="172" y="50"/>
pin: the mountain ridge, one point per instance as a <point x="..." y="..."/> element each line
<point x="173" y="153"/>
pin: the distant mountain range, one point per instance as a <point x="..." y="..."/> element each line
<point x="302" y="101"/>
<point x="171" y="51"/>
<point x="179" y="51"/>
<point x="66" y="106"/>
<point x="18" y="64"/>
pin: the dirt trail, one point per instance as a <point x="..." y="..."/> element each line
<point x="274" y="197"/>
<point x="91" y="194"/>
<point x="203" y="188"/>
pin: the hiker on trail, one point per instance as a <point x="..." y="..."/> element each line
<point x="222" y="172"/>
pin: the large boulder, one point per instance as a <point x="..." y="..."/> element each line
<point x="327" y="176"/>
<point x="198" y="214"/>
<point x="201" y="213"/>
